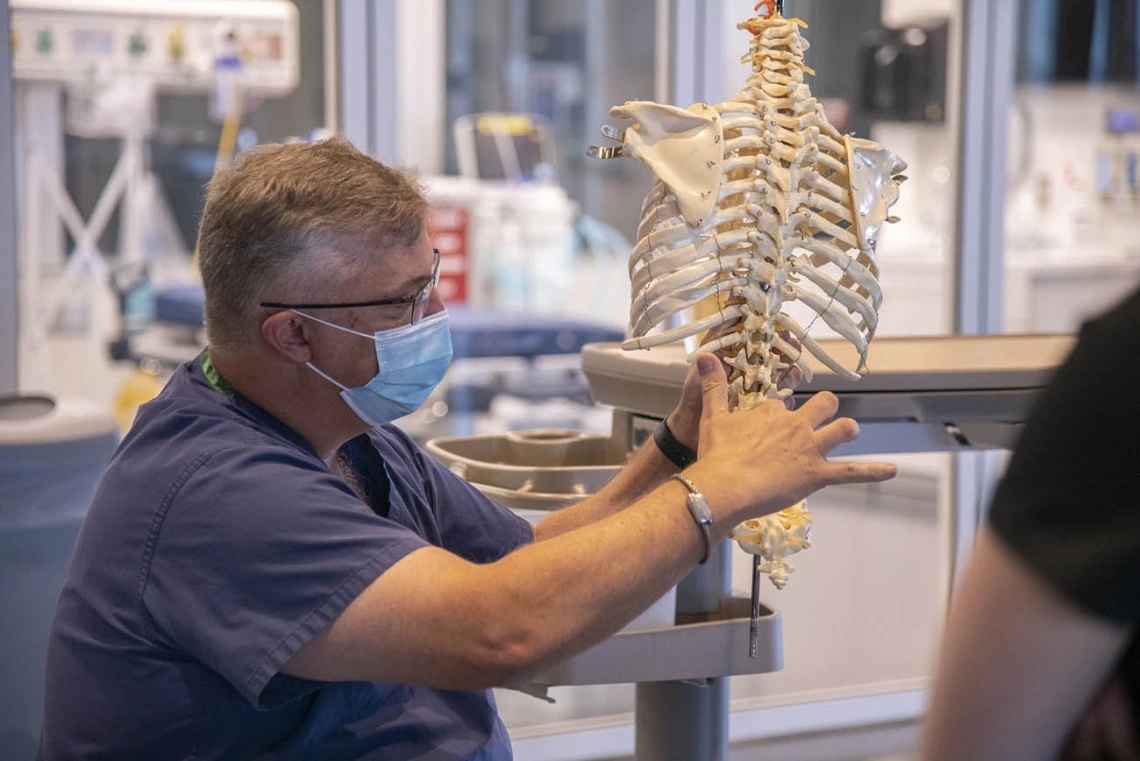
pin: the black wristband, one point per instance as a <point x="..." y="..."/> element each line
<point x="678" y="454"/>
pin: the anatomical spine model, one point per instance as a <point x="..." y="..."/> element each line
<point x="758" y="202"/>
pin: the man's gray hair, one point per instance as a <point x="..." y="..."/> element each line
<point x="280" y="204"/>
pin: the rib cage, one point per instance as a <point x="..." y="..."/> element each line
<point x="787" y="225"/>
<point x="759" y="202"/>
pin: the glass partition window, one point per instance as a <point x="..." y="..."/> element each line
<point x="564" y="64"/>
<point x="1071" y="246"/>
<point x="531" y="226"/>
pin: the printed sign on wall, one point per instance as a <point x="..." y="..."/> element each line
<point x="449" y="232"/>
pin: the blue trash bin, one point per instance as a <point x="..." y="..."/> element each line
<point x="52" y="452"/>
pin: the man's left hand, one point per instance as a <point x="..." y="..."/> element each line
<point x="685" y="420"/>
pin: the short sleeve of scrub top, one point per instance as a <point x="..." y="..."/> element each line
<point x="482" y="533"/>
<point x="240" y="579"/>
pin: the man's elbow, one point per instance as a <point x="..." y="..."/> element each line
<point x="489" y="669"/>
<point x="508" y="657"/>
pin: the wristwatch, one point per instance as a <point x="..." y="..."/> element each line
<point x="678" y="454"/>
<point x="699" y="509"/>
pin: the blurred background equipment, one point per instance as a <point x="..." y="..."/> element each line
<point x="904" y="73"/>
<point x="93" y="73"/>
<point x="1071" y="225"/>
<point x="513" y="147"/>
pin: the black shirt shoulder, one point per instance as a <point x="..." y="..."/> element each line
<point x="1069" y="504"/>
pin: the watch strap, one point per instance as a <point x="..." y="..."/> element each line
<point x="670" y="446"/>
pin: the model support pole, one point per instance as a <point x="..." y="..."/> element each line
<point x="683" y="721"/>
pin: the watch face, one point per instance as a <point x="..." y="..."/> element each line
<point x="700" y="508"/>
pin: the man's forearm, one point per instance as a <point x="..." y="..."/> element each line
<point x="646" y="470"/>
<point x="476" y="626"/>
<point x="584" y="585"/>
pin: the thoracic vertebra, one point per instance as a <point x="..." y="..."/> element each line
<point x="759" y="201"/>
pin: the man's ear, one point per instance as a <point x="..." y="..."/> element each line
<point x="285" y="334"/>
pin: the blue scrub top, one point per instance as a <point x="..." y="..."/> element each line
<point x="218" y="543"/>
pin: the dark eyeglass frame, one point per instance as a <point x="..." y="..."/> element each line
<point x="418" y="301"/>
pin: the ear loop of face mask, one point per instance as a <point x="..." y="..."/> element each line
<point x="318" y="370"/>
<point x="334" y="325"/>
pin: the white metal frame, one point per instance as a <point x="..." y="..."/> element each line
<point x="388" y="51"/>
<point x="43" y="181"/>
<point x="987" y="76"/>
<point x="9" y="296"/>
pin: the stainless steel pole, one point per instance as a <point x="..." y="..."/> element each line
<point x="9" y="284"/>
<point x="355" y="73"/>
<point x="987" y="81"/>
<point x="684" y="721"/>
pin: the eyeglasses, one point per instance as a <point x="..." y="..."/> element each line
<point x="419" y="302"/>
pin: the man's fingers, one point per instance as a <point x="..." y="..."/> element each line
<point x="842" y="431"/>
<point x="859" y="472"/>
<point x="714" y="385"/>
<point x="820" y="408"/>
<point x="691" y="393"/>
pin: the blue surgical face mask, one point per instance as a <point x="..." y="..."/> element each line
<point x="412" y="360"/>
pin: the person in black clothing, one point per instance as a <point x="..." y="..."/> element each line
<point x="1040" y="658"/>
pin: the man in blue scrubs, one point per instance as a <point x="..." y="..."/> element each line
<point x="270" y="570"/>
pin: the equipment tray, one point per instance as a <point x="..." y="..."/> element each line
<point x="700" y="647"/>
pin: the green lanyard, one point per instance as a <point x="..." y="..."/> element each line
<point x="220" y="384"/>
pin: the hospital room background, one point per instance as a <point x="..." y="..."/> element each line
<point x="1020" y="121"/>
